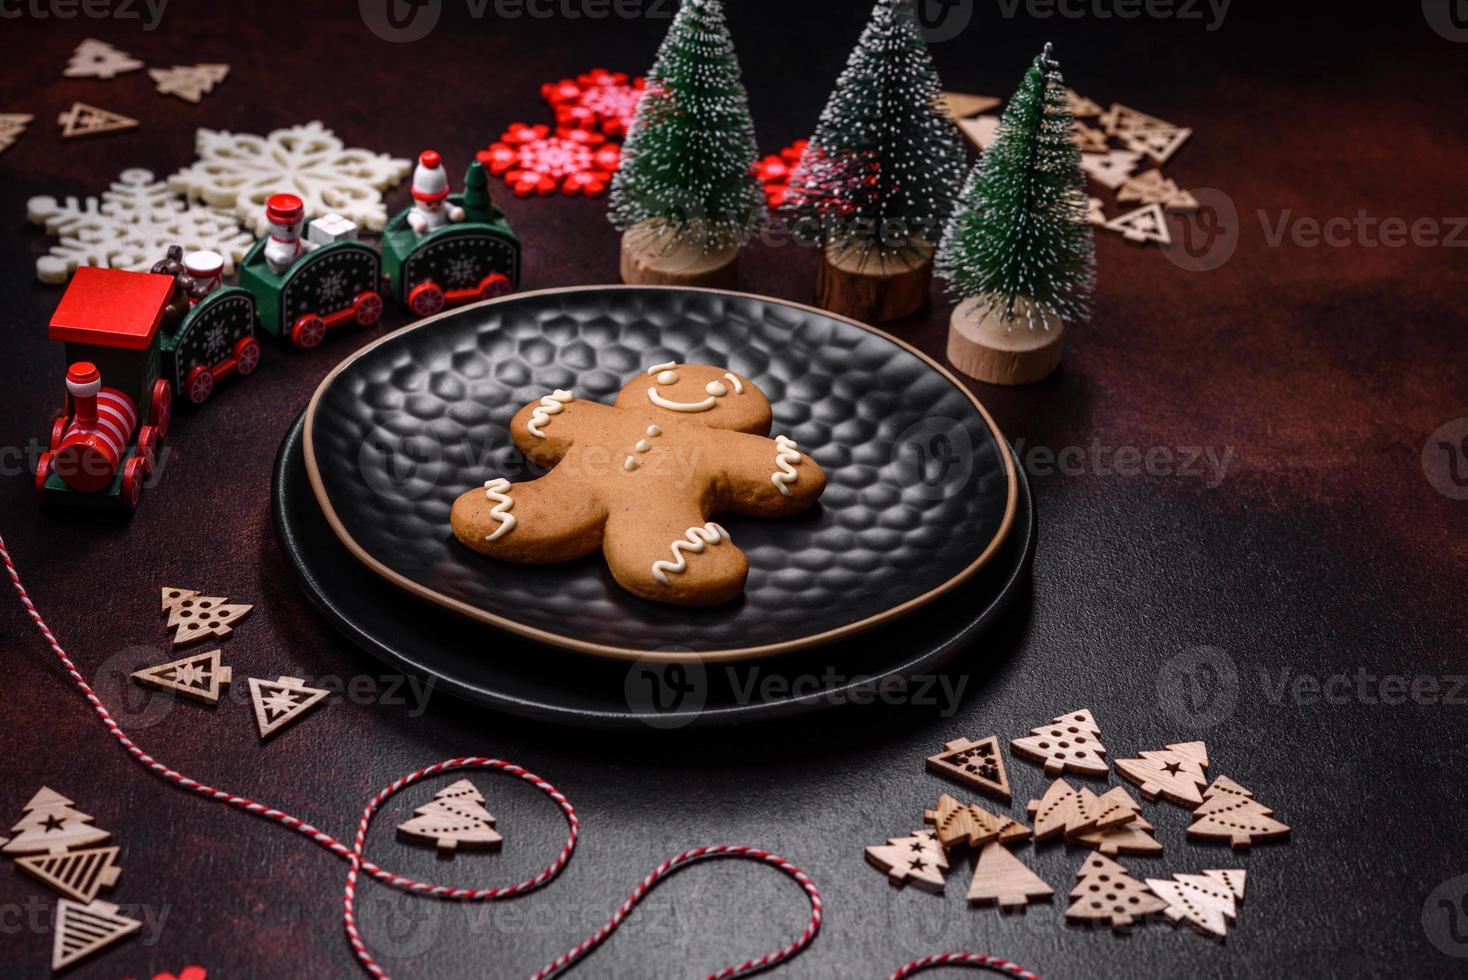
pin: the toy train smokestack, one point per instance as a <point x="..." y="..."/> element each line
<point x="100" y="431"/>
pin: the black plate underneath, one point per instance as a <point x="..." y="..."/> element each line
<point x="917" y="488"/>
<point x="484" y="665"/>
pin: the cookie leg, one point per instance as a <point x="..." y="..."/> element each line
<point x="673" y="554"/>
<point x="551" y="519"/>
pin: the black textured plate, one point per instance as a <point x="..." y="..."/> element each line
<point x="920" y="491"/>
<point x="504" y="672"/>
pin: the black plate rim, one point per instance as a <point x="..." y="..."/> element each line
<point x="1024" y="541"/>
<point x="606" y="650"/>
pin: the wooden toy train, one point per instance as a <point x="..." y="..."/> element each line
<point x="178" y="330"/>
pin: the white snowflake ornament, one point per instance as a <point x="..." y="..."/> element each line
<point x="130" y="227"/>
<point x="238" y="171"/>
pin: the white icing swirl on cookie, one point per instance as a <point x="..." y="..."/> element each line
<point x="653" y="430"/>
<point x="786" y="459"/>
<point x="694" y="540"/>
<point x="672" y="406"/>
<point x="734" y="380"/>
<point x="551" y="404"/>
<point x="629" y="464"/>
<point x="496" y="490"/>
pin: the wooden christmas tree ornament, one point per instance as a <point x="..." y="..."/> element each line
<point x="200" y="676"/>
<point x="1110" y="169"/>
<point x="12" y="125"/>
<point x="75" y="874"/>
<point x="1002" y="878"/>
<point x="194" y="617"/>
<point x="968" y="824"/>
<point x="189" y="82"/>
<point x="986" y="346"/>
<point x="281" y="702"/>
<point x="1120" y="119"/>
<point x="1132" y="837"/>
<point x="1052" y="812"/>
<point x="1230" y="813"/>
<point x="977" y="764"/>
<point x="51" y="825"/>
<point x="1091" y="140"/>
<point x="1159" y="145"/>
<point x="98" y="59"/>
<point x="1096" y="211"/>
<point x="654" y="257"/>
<point x="86" y="120"/>
<point x="1143" y="225"/>
<point x="1104" y="891"/>
<point x="917" y="858"/>
<point x="1206" y="901"/>
<point x="1080" y="106"/>
<point x="1175" y="772"/>
<point x="979" y="131"/>
<point x="455" y="817"/>
<point x="874" y="284"/>
<point x="82" y="930"/>
<point x="1070" y="742"/>
<point x="961" y="106"/>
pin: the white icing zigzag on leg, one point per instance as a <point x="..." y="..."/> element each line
<point x="496" y="490"/>
<point x="693" y="540"/>
<point x="786" y="459"/>
<point x="551" y="404"/>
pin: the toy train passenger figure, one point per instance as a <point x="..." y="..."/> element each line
<point x="431" y="206"/>
<point x="206" y="268"/>
<point x="284" y="213"/>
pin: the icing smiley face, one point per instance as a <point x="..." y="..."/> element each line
<point x="705" y="393"/>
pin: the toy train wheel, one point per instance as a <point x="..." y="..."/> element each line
<point x="495" y="284"/>
<point x="199" y="384"/>
<point x="148" y="448"/>
<point x="58" y="432"/>
<point x="247" y="355"/>
<point x="367" y="308"/>
<point x="308" y="332"/>
<point x="425" y="299"/>
<point x="132" y="482"/>
<point x="160" y="411"/>
<point x="43" y="470"/>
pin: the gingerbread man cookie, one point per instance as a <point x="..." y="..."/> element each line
<point x="640" y="479"/>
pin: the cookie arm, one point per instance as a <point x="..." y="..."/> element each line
<point x="671" y="552"/>
<point x="765" y="477"/>
<point x="546" y="429"/>
<point x="540" y="521"/>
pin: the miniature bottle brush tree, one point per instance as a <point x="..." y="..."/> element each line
<point x="880" y="175"/>
<point x="1019" y="251"/>
<point x="686" y="196"/>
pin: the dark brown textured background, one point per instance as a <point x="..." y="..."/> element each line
<point x="1325" y="549"/>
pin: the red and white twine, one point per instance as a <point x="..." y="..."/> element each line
<point x="357" y="864"/>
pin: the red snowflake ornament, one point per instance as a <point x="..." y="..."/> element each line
<point x="532" y="161"/>
<point x="595" y="100"/>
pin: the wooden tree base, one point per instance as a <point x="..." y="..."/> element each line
<point x="873" y="286"/>
<point x="999" y="351"/>
<point x="652" y="258"/>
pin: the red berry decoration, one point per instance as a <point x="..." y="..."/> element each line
<point x="774" y="172"/>
<point x="598" y="99"/>
<point x="532" y="161"/>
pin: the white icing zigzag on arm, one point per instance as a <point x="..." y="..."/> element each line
<point x="551" y="404"/>
<point x="693" y="540"/>
<point x="496" y="490"/>
<point x="786" y="459"/>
